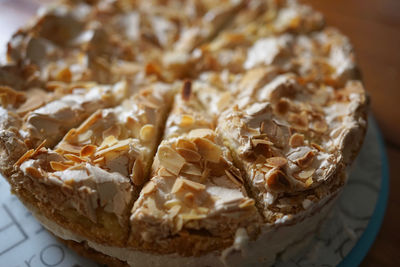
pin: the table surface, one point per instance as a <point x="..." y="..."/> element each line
<point x="374" y="29"/>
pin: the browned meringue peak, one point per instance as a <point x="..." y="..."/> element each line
<point x="260" y="19"/>
<point x="122" y="139"/>
<point x="51" y="121"/>
<point x="195" y="190"/>
<point x="291" y="138"/>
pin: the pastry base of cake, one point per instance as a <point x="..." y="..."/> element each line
<point x="285" y="239"/>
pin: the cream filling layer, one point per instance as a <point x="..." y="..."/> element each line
<point x="282" y="238"/>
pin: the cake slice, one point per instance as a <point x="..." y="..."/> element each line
<point x="196" y="200"/>
<point x="89" y="181"/>
<point x="295" y="140"/>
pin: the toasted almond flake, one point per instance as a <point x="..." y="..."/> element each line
<point x="202" y="133"/>
<point x="309" y="182"/>
<point x="318" y="147"/>
<point x="189" y="155"/>
<point x="306" y="160"/>
<point x="148" y="188"/>
<point x="39" y="148"/>
<point x="64" y="75"/>
<point x="87" y="150"/>
<point x="305" y="174"/>
<point x="277" y="181"/>
<point x="172" y="203"/>
<point x="28" y="154"/>
<point x="296" y="140"/>
<point x="247" y="203"/>
<point x="170" y="159"/>
<point x="114" y="130"/>
<point x="190" y="216"/>
<point x="174" y="211"/>
<point x="205" y="174"/>
<point x="137" y="172"/>
<point x="208" y="150"/>
<point x="9" y="96"/>
<point x="83" y="137"/>
<point x="179" y="223"/>
<point x="109" y="141"/>
<point x="58" y="166"/>
<point x="320" y="126"/>
<point x="276" y="162"/>
<point x="147" y="133"/>
<point x="189" y="198"/>
<point x="186" y="121"/>
<point x="163" y="172"/>
<point x="120" y="146"/>
<point x="186" y="90"/>
<point x="256" y="142"/>
<point x="74" y="158"/>
<point x="67" y="147"/>
<point x="202" y="210"/>
<point x="233" y="178"/>
<point x="193" y="185"/>
<point x="98" y="160"/>
<point x="186" y="144"/>
<point x="190" y="169"/>
<point x="299" y="121"/>
<point x="33" y="172"/>
<point x="177" y="186"/>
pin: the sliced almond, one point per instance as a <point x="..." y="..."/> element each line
<point x="191" y="169"/>
<point x="83" y="137"/>
<point x="58" y="166"/>
<point x="147" y="133"/>
<point x="74" y="158"/>
<point x="208" y="150"/>
<point x="174" y="211"/>
<point x="186" y="144"/>
<point x="67" y="147"/>
<point x="193" y="185"/>
<point x="247" y="203"/>
<point x="177" y="186"/>
<point x="233" y="178"/>
<point x="138" y="172"/>
<point x="190" y="216"/>
<point x="163" y="172"/>
<point x="186" y="121"/>
<point x="33" y="172"/>
<point x="189" y="198"/>
<point x="276" y="162"/>
<point x="148" y="188"/>
<point x="304" y="174"/>
<point x="172" y="203"/>
<point x="306" y="160"/>
<point x="320" y="126"/>
<point x="277" y="181"/>
<point x="202" y="133"/>
<point x="87" y="150"/>
<point x="296" y="140"/>
<point x="170" y="159"/>
<point x="189" y="155"/>
<point x="120" y="146"/>
<point x="109" y="141"/>
<point x="256" y="142"/>
<point x="28" y="154"/>
<point x="114" y="131"/>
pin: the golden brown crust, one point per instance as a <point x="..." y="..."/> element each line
<point x="236" y="53"/>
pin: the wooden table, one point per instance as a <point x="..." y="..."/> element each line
<point x="374" y="28"/>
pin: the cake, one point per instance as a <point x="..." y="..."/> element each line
<point x="180" y="133"/>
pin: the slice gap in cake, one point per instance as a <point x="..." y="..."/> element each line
<point x="195" y="201"/>
<point x="294" y="141"/>
<point x="94" y="174"/>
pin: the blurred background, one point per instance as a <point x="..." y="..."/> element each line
<point x="374" y="29"/>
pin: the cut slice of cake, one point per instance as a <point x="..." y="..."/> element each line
<point x="196" y="200"/>
<point x="295" y="140"/>
<point x="94" y="174"/>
